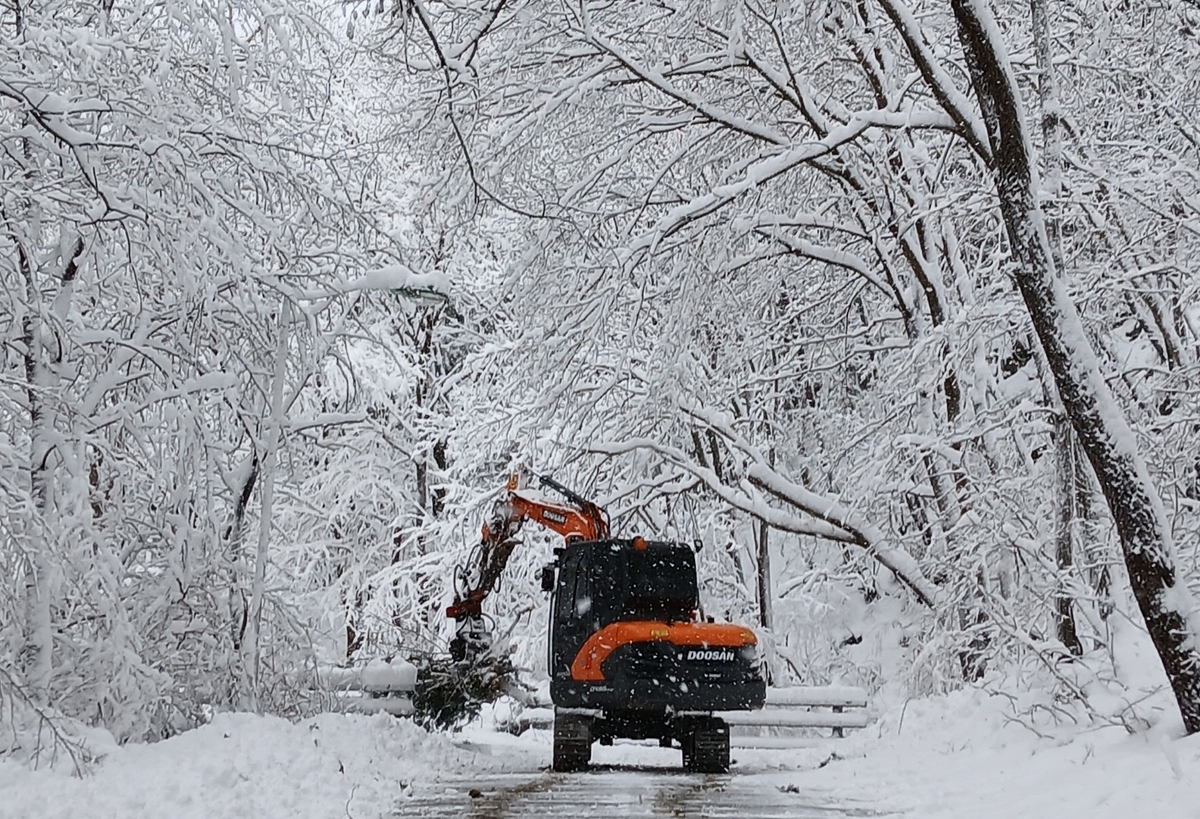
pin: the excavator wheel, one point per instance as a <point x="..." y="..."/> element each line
<point x="706" y="747"/>
<point x="572" y="742"/>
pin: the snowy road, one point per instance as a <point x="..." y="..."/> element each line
<point x="620" y="791"/>
<point x="631" y="780"/>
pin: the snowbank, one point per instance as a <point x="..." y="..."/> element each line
<point x="963" y="755"/>
<point x="243" y="765"/>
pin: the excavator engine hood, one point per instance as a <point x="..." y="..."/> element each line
<point x="649" y="665"/>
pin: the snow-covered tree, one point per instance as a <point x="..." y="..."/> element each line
<point x="182" y="211"/>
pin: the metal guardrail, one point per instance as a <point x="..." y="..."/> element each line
<point x="810" y="706"/>
<point x="379" y="686"/>
<point x="387" y="686"/>
<point x="805" y="707"/>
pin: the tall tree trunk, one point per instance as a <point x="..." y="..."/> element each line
<point x="38" y="638"/>
<point x="1104" y="434"/>
<point x="1064" y="540"/>
<point x="1064" y="435"/>
<point x="251" y="649"/>
<point x="43" y="359"/>
<point x="37" y="643"/>
<point x="764" y="575"/>
<point x="234" y="535"/>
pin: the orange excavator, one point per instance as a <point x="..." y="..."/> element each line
<point x="629" y="653"/>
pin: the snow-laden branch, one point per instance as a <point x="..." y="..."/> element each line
<point x="829" y="255"/>
<point x="470" y="41"/>
<point x="742" y="498"/>
<point x="701" y="106"/>
<point x="757" y="174"/>
<point x="869" y="537"/>
<point x="834" y="513"/>
<point x="821" y="516"/>
<point x="399" y="277"/>
<point x="776" y="165"/>
<point x="940" y="83"/>
<point x="790" y="88"/>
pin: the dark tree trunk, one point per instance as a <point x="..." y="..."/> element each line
<point x="235" y="550"/>
<point x="1102" y="430"/>
<point x="764" y="575"/>
<point x="1064" y="553"/>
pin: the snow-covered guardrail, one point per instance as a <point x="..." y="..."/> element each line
<point x="383" y="685"/>
<point x="380" y="685"/>
<point x="807" y="706"/>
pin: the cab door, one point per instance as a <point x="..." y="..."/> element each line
<point x="571" y="617"/>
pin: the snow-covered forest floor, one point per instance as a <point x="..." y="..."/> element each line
<point x="959" y="755"/>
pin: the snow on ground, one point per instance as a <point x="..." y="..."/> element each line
<point x="953" y="756"/>
<point x="964" y="756"/>
<point x="243" y="765"/>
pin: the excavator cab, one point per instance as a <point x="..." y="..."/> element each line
<point x="611" y="581"/>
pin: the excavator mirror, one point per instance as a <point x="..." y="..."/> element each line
<point x="548" y="577"/>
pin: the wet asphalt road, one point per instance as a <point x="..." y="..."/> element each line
<point x="619" y="791"/>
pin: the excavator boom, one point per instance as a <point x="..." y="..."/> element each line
<point x="578" y="519"/>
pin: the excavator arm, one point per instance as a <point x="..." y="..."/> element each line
<point x="577" y="519"/>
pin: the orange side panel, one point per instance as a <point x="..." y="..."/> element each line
<point x="586" y="667"/>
